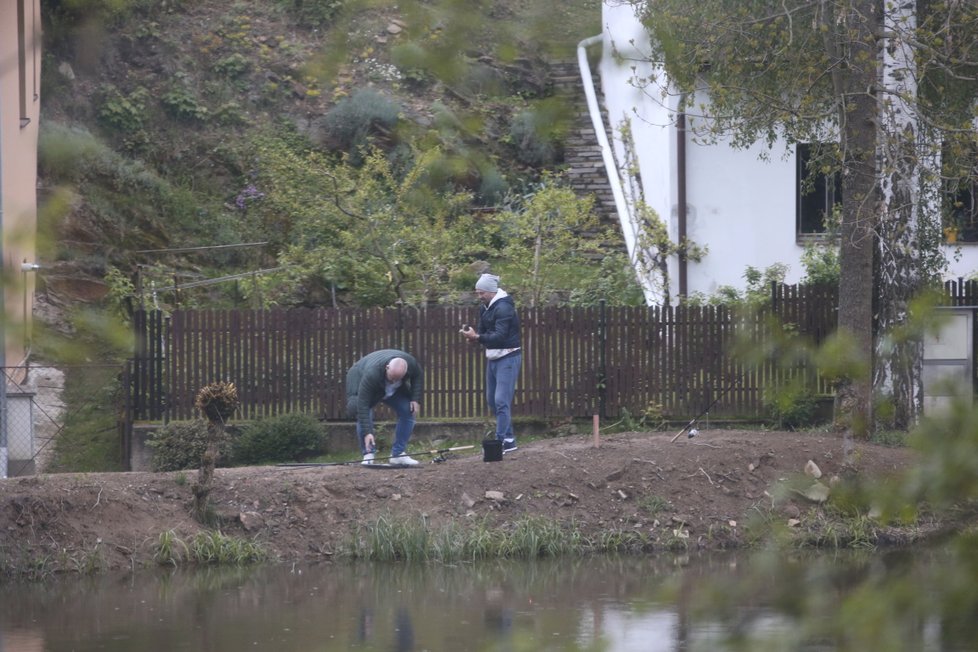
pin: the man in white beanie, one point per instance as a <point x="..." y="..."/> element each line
<point x="499" y="332"/>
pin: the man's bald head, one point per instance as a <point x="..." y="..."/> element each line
<point x="396" y="369"/>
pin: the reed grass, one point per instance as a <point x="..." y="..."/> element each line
<point x="209" y="548"/>
<point x="390" y="538"/>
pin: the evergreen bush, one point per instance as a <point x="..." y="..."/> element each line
<point x="279" y="439"/>
<point x="350" y="125"/>
<point x="180" y="445"/>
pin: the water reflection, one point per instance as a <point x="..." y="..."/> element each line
<point x="662" y="603"/>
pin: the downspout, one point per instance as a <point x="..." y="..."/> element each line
<point x="681" y="207"/>
<point x="3" y="330"/>
<point x="629" y="229"/>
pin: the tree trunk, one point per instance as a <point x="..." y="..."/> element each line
<point x="857" y="118"/>
<point x="907" y="217"/>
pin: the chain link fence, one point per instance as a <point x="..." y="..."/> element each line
<point x="40" y="433"/>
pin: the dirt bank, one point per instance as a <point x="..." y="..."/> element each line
<point x="704" y="487"/>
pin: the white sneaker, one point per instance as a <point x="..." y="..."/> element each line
<point x="403" y="460"/>
<point x="368" y="459"/>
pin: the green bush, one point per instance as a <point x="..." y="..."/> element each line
<point x="313" y="13"/>
<point x="279" y="439"/>
<point x="351" y="125"/>
<point x="537" y="136"/>
<point x="178" y="446"/>
<point x="792" y="406"/>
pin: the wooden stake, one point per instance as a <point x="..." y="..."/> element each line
<point x="597" y="436"/>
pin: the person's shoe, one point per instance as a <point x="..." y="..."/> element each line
<point x="368" y="459"/>
<point x="403" y="460"/>
<point x="509" y="445"/>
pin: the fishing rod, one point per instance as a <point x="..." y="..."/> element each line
<point x="439" y="452"/>
<point x="707" y="409"/>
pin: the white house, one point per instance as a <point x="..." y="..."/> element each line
<point x="744" y="205"/>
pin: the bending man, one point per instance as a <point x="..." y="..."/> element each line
<point x="387" y="376"/>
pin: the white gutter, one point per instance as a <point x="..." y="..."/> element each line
<point x="3" y="332"/>
<point x="629" y="228"/>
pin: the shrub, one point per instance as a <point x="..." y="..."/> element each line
<point x="279" y="439"/>
<point x="355" y="120"/>
<point x="179" y="446"/>
<point x="536" y="135"/>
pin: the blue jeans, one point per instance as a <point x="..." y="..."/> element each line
<point x="501" y="378"/>
<point x="401" y="404"/>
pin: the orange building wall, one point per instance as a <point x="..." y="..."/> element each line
<point x="19" y="116"/>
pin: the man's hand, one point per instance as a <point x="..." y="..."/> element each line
<point x="415" y="408"/>
<point x="469" y="333"/>
<point x="369" y="443"/>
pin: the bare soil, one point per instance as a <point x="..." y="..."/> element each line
<point x="705" y="487"/>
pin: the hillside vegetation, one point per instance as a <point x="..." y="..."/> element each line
<point x="366" y="152"/>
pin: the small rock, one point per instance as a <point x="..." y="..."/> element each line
<point x="467" y="501"/>
<point x="811" y="469"/>
<point x="793" y="522"/>
<point x="497" y="496"/>
<point x="251" y="521"/>
<point x="66" y="70"/>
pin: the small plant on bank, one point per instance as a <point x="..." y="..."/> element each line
<point x="209" y="547"/>
<point x="170" y="549"/>
<point x="215" y="548"/>
<point x="653" y="504"/>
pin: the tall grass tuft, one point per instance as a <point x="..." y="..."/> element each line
<point x="404" y="539"/>
<point x="209" y="547"/>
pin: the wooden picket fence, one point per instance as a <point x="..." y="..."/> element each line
<point x="577" y="362"/>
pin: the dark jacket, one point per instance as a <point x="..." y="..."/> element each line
<point x="499" y="325"/>
<point x="366" y="380"/>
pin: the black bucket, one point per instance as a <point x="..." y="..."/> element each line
<point x="492" y="450"/>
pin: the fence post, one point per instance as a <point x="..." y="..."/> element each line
<point x="602" y="369"/>
<point x="125" y="429"/>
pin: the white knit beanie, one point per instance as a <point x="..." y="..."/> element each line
<point x="487" y="283"/>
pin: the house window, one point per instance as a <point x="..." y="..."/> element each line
<point x="961" y="207"/>
<point x="818" y="193"/>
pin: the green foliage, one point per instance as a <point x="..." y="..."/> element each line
<point x="285" y="438"/>
<point x="181" y="445"/>
<point x="232" y="66"/>
<point x="125" y="114"/>
<point x="613" y="282"/>
<point x="756" y="293"/>
<point x="181" y="102"/>
<point x="209" y="547"/>
<point x="313" y="13"/>
<point x="411" y="60"/>
<point x="365" y="231"/>
<point x="821" y="264"/>
<point x="542" y="236"/>
<point x="126" y="201"/>
<point x="360" y="121"/>
<point x="121" y="292"/>
<point x="537" y="134"/>
<point x="792" y="404"/>
<point x="215" y="548"/>
<point x="89" y="437"/>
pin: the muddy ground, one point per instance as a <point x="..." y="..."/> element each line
<point x="704" y="488"/>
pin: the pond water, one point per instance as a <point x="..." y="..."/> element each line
<point x="651" y="603"/>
